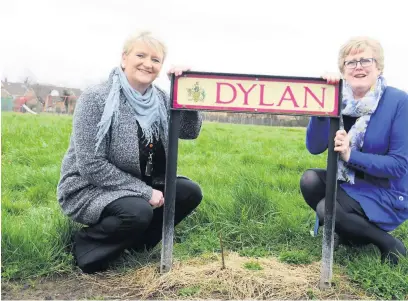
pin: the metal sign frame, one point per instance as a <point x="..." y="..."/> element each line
<point x="171" y="164"/>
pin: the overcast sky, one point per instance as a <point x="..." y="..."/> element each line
<point x="77" y="42"/>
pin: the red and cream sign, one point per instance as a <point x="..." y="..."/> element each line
<point x="247" y="93"/>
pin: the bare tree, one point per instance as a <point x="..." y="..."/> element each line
<point x="65" y="97"/>
<point x="36" y="102"/>
<point x="39" y="91"/>
<point x="31" y="83"/>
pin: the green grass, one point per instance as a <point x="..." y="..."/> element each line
<point x="253" y="266"/>
<point x="295" y="257"/>
<point x="188" y="291"/>
<point x="250" y="180"/>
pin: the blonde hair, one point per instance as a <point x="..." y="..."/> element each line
<point x="147" y="37"/>
<point x="359" y="44"/>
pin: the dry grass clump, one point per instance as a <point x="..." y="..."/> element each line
<point x="203" y="278"/>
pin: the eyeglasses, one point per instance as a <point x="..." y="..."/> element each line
<point x="363" y="62"/>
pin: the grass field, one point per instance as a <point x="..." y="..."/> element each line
<point x="250" y="179"/>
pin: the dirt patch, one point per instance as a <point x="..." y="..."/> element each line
<point x="201" y="278"/>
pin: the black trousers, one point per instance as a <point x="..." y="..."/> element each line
<point x="351" y="223"/>
<point x="129" y="222"/>
<point x="313" y="187"/>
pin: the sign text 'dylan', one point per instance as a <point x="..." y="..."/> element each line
<point x="246" y="94"/>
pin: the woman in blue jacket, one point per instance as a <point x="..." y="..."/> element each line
<point x="372" y="143"/>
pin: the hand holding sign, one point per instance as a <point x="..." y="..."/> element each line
<point x="157" y="199"/>
<point x="342" y="145"/>
<point x="177" y="70"/>
<point x="332" y="78"/>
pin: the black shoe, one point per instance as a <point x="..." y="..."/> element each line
<point x="341" y="241"/>
<point x="89" y="262"/>
<point x="90" y="258"/>
<point x="393" y="254"/>
<point x="94" y="267"/>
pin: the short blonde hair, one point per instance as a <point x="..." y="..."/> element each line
<point x="147" y="37"/>
<point x="359" y="44"/>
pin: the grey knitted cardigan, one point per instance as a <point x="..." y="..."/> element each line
<point x="90" y="181"/>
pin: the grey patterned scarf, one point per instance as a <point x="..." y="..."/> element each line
<point x="363" y="109"/>
<point x="151" y="116"/>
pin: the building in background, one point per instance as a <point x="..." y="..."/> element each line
<point x="38" y="97"/>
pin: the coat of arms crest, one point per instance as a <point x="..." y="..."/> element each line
<point x="196" y="93"/>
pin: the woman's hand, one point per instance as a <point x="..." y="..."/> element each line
<point x="342" y="145"/>
<point x="157" y="199"/>
<point x="177" y="70"/>
<point x="331" y="78"/>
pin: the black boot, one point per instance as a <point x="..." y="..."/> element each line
<point x="90" y="258"/>
<point x="392" y="255"/>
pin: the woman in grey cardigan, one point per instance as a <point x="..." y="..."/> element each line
<point x="113" y="172"/>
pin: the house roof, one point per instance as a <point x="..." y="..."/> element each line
<point x="15" y="89"/>
<point x="41" y="90"/>
<point x="4" y="92"/>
